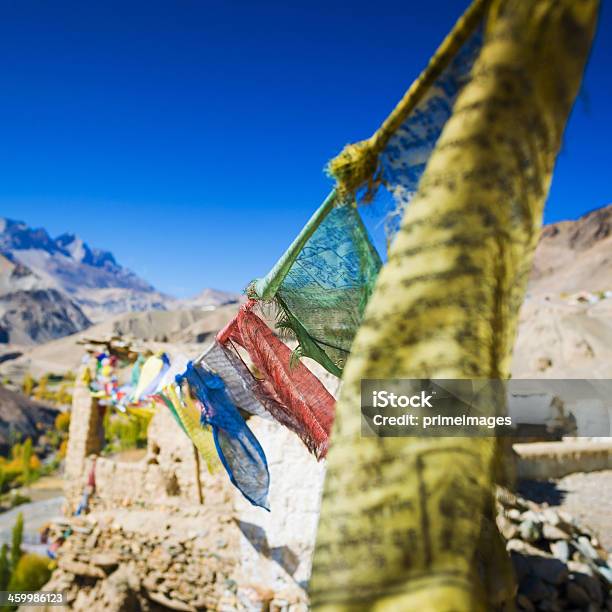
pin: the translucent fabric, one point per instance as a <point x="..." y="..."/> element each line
<point x="150" y="375"/>
<point x="325" y="291"/>
<point x="243" y="389"/>
<point x="403" y="159"/>
<point x="188" y="416"/>
<point x="300" y="401"/>
<point x="239" y="451"/>
<point x="323" y="282"/>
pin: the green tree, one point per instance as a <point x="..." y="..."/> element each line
<point x="28" y="385"/>
<point x="41" y="389"/>
<point x="16" y="551"/>
<point x="26" y="458"/>
<point x="5" y="568"/>
<point x="63" y="395"/>
<point x="30" y="574"/>
<point x="62" y="422"/>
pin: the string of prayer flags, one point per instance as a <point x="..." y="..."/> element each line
<point x="301" y="402"/>
<point x="199" y="402"/>
<point x="104" y="385"/>
<point x="324" y="280"/>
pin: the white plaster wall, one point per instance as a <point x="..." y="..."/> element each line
<point x="279" y="555"/>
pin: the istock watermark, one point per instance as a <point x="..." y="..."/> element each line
<point x="541" y="409"/>
<point x="384" y="399"/>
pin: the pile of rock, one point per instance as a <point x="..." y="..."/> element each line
<point x="102" y="566"/>
<point x="180" y="560"/>
<point x="559" y="564"/>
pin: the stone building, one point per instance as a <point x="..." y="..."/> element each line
<point x="272" y="550"/>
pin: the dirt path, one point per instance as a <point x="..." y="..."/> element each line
<point x="45" y="488"/>
<point x="47" y="500"/>
<point x="35" y="515"/>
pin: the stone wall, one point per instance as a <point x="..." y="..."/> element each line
<point x="274" y="548"/>
<point x="86" y="435"/>
<point x="147" y="560"/>
<point x="544" y="460"/>
<point x="168" y="474"/>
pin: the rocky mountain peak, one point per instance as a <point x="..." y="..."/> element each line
<point x="80" y="251"/>
<point x="16" y="235"/>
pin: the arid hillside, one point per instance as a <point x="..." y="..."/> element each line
<point x="575" y="256"/>
<point x="565" y="328"/>
<point x="21" y="417"/>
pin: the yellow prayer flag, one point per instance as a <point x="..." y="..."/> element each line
<point x="407" y="523"/>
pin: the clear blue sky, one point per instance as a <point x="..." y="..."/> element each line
<point x="189" y="136"/>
